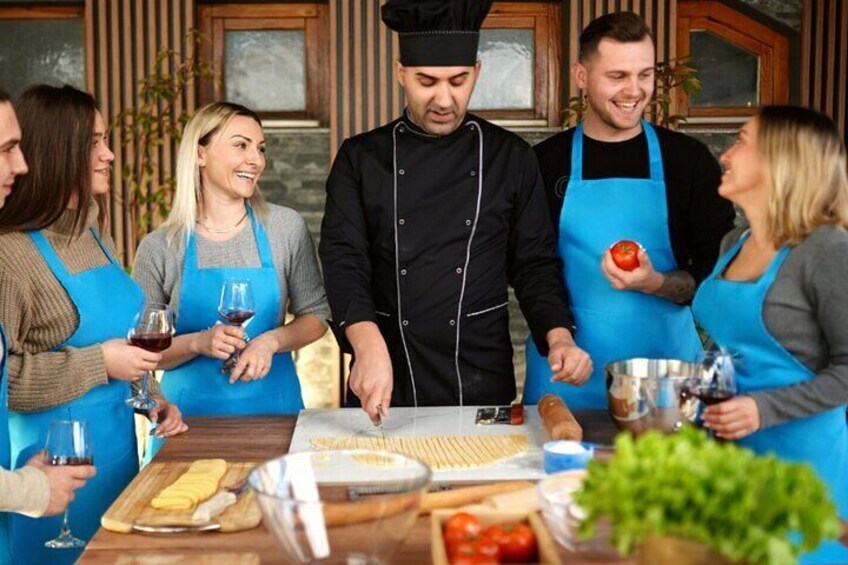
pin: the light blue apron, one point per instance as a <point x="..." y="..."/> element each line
<point x="198" y="386"/>
<point x="106" y="300"/>
<point x="731" y="312"/>
<point x="5" y="453"/>
<point x="612" y="324"/>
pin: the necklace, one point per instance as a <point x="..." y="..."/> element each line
<point x="223" y="230"/>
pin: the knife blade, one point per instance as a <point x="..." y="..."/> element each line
<point x="222" y="500"/>
<point x="379" y="422"/>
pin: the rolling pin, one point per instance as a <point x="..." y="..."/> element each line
<point x="467" y="495"/>
<point x="558" y="420"/>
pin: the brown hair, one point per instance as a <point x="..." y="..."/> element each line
<point x="57" y="127"/>
<point x="4" y="96"/>
<point x="804" y="168"/>
<point x="624" y="27"/>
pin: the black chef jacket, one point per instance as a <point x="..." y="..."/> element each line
<point x="421" y="235"/>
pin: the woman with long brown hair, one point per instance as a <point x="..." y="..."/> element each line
<point x="67" y="305"/>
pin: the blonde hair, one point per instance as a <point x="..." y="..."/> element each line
<point x="804" y="168"/>
<point x="199" y="132"/>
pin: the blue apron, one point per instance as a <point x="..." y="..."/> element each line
<point x="612" y="324"/>
<point x="5" y="453"/>
<point x="731" y="312"/>
<point x="106" y="300"/>
<point x="198" y="386"/>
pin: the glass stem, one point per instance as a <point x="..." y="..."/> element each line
<point x="143" y="390"/>
<point x="65" y="532"/>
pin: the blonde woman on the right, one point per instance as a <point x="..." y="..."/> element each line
<point x="778" y="298"/>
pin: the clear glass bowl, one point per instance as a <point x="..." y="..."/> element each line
<point x="563" y="517"/>
<point x="347" y="506"/>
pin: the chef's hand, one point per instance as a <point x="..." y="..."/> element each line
<point x="568" y="362"/>
<point x="219" y="342"/>
<point x="63" y="481"/>
<point x="168" y="417"/>
<point x="643" y="278"/>
<point x="255" y="360"/>
<point x="127" y="362"/>
<point x="371" y="378"/>
<point x="734" y="418"/>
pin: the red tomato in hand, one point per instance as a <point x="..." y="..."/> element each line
<point x="459" y="526"/>
<point x="625" y="254"/>
<point x="474" y="549"/>
<point x="516" y="540"/>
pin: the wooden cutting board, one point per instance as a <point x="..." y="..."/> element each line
<point x="133" y="506"/>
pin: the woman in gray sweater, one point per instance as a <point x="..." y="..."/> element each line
<point x="221" y="229"/>
<point x="777" y="299"/>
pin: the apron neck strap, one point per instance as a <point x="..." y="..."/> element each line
<point x="577" y="155"/>
<point x="654" y="153"/>
<point x="52" y="259"/>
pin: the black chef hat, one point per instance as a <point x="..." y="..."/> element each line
<point x="437" y="33"/>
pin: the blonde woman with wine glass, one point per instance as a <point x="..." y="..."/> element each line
<point x="220" y="228"/>
<point x="777" y="299"/>
<point x="66" y="305"/>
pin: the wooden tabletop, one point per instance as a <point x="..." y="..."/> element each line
<point x="259" y="439"/>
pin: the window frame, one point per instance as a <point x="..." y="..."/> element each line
<point x="66" y="12"/>
<point x="743" y="32"/>
<point x="544" y="18"/>
<point x="313" y="18"/>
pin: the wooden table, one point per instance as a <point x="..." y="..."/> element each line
<point x="258" y="439"/>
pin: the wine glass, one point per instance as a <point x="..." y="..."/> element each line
<point x="152" y="330"/>
<point x="67" y="443"/>
<point x="715" y="381"/>
<point x="237" y="308"/>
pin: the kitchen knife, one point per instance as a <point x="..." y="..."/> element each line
<point x="217" y="504"/>
<point x="379" y="422"/>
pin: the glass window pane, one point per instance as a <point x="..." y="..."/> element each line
<point x="506" y="77"/>
<point x="730" y="75"/>
<point x="266" y="70"/>
<point x="41" y="51"/>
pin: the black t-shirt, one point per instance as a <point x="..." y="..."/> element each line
<point x="698" y="217"/>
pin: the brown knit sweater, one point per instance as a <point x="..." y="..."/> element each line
<point x="38" y="315"/>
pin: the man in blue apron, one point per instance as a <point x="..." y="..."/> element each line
<point x="24" y="490"/>
<point x="616" y="177"/>
<point x="429" y="220"/>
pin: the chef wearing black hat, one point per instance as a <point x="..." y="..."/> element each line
<point x="428" y="220"/>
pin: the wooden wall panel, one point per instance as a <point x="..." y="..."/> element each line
<point x="824" y="56"/>
<point x="661" y="16"/>
<point x="363" y="91"/>
<point x="122" y="51"/>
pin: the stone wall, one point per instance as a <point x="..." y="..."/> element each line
<point x="785" y="11"/>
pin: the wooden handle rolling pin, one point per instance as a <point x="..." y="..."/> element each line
<point x="467" y="495"/>
<point x="558" y="420"/>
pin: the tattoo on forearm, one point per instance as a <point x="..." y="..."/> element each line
<point x="677" y="286"/>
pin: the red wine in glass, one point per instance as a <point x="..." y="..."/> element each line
<point x="238" y="317"/>
<point x="708" y="395"/>
<point x="154" y="341"/>
<point x="59" y="460"/>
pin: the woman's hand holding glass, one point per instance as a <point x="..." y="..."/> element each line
<point x="126" y="362"/>
<point x="733" y="419"/>
<point x="219" y="342"/>
<point x="68" y="443"/>
<point x="255" y="361"/>
<point x="168" y="419"/>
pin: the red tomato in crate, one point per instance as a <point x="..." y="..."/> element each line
<point x="482" y="548"/>
<point x="459" y="526"/>
<point x="625" y="254"/>
<point x="516" y="541"/>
